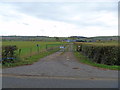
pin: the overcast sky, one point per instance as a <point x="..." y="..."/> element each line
<point x="59" y="18"/>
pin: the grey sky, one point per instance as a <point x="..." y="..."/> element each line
<point x="59" y="19"/>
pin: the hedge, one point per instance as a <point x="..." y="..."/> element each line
<point x="8" y="54"/>
<point x="100" y="53"/>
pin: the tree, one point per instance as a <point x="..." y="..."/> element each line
<point x="57" y="38"/>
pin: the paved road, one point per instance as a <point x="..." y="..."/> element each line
<point x="44" y="82"/>
<point x="59" y="70"/>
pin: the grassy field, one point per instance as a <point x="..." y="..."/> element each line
<point x="109" y="43"/>
<point x="30" y="47"/>
<point x="29" y="51"/>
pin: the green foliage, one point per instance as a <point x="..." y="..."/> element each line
<point x="83" y="59"/>
<point x="8" y="54"/>
<point x="57" y="39"/>
<point x="99" y="53"/>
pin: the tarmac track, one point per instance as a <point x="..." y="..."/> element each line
<point x="59" y="70"/>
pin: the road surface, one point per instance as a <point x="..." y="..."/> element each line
<point x="59" y="70"/>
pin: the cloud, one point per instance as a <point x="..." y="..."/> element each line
<point x="59" y="19"/>
<point x="60" y="1"/>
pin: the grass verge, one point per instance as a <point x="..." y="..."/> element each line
<point x="84" y="59"/>
<point x="29" y="60"/>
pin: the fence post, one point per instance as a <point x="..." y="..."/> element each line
<point x="19" y="52"/>
<point x="46" y="47"/>
<point x="37" y="48"/>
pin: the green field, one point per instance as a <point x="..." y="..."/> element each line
<point x="30" y="47"/>
<point x="109" y="43"/>
<point x="30" y="53"/>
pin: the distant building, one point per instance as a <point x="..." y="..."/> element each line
<point x="68" y="40"/>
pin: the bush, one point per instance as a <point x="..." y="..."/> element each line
<point x="8" y="54"/>
<point x="100" y="53"/>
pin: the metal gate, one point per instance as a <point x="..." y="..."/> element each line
<point x="61" y="47"/>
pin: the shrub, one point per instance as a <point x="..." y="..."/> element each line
<point x="103" y="54"/>
<point x="8" y="54"/>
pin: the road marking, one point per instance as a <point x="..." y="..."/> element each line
<point x="68" y="59"/>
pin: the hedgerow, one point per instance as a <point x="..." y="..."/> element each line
<point x="103" y="54"/>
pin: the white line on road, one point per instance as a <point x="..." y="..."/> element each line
<point x="67" y="58"/>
